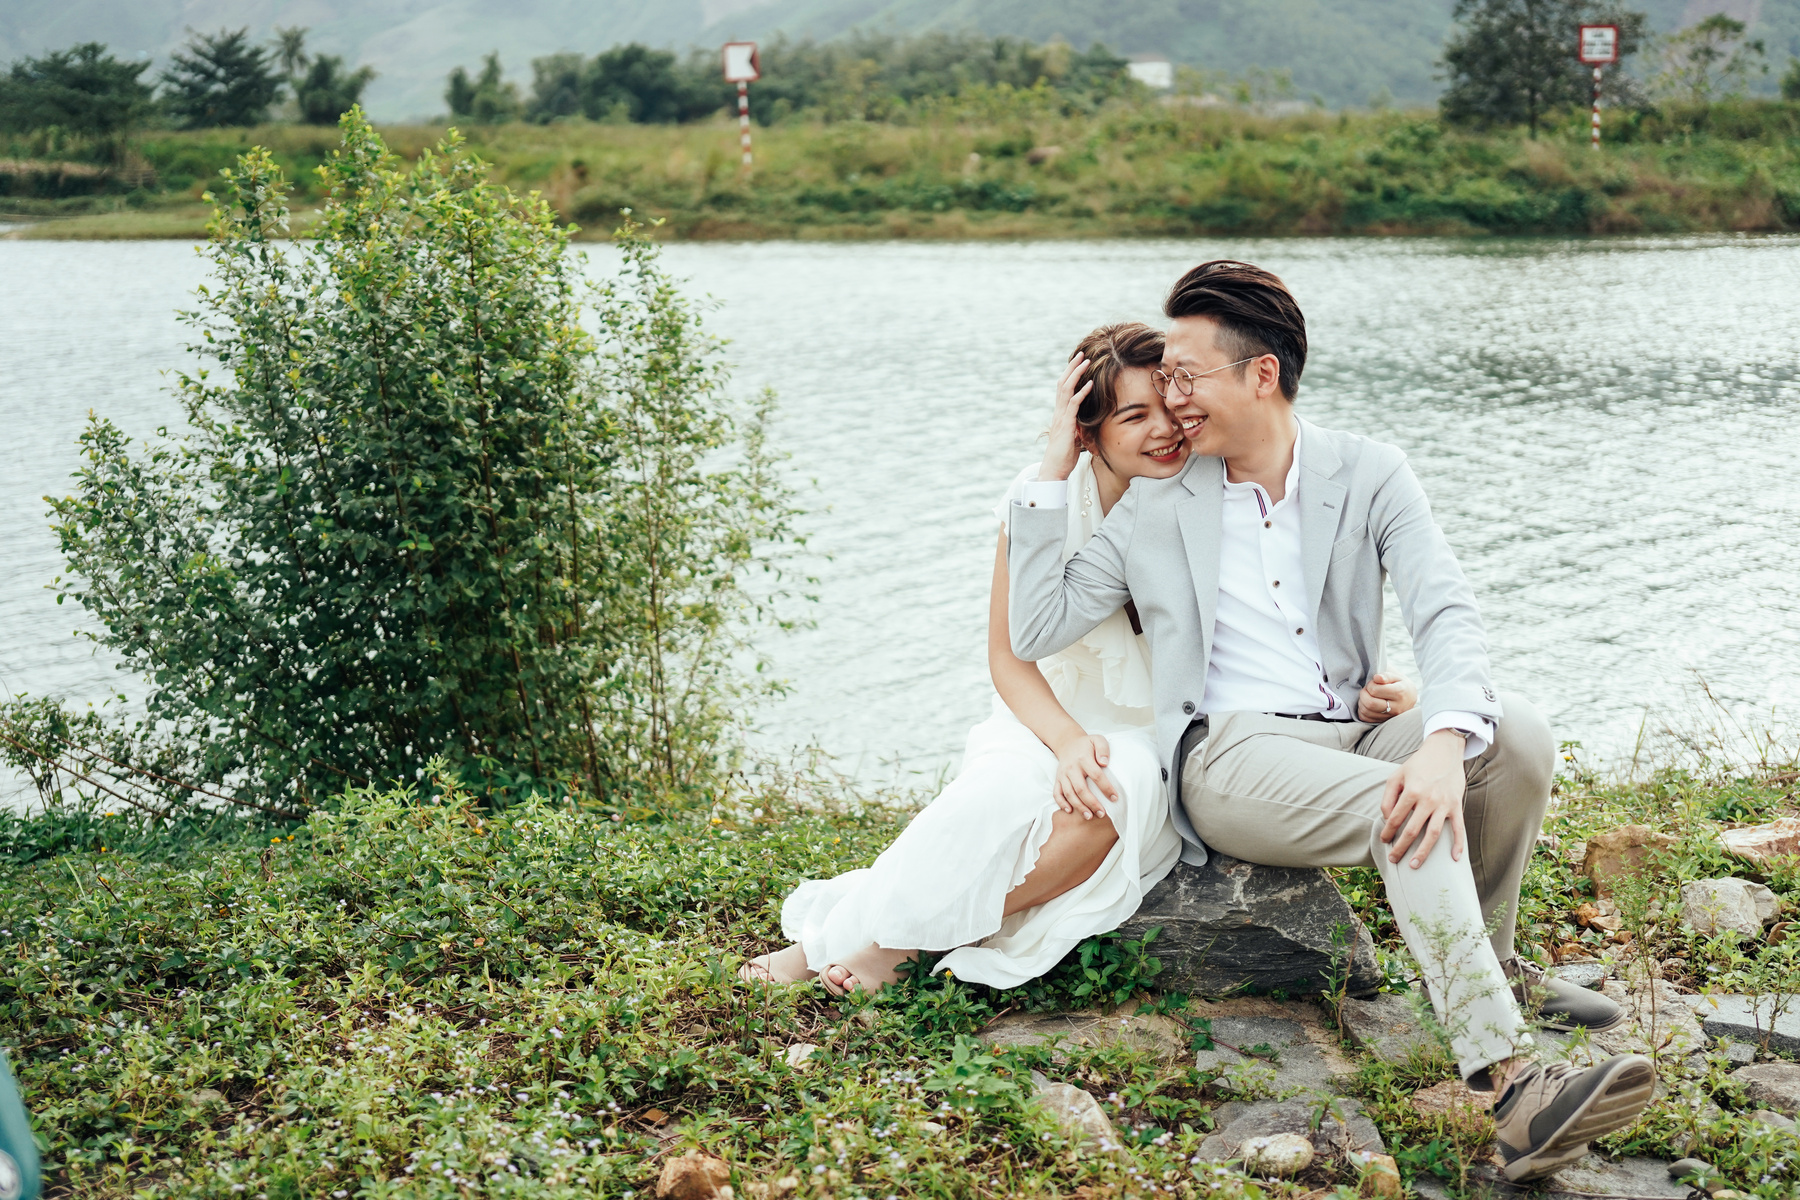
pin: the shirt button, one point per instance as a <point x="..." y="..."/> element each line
<point x="1278" y="583"/>
<point x="1187" y="706"/>
<point x="1165" y="772"/>
<point x="1268" y="524"/>
<point x="1300" y="630"/>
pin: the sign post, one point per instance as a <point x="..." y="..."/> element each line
<point x="742" y="67"/>
<point x="1599" y="46"/>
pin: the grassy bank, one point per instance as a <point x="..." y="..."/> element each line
<point x="1012" y="170"/>
<point x="430" y="1000"/>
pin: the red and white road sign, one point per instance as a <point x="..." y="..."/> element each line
<point x="1599" y="44"/>
<point x="741" y="63"/>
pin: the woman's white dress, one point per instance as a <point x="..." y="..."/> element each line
<point x="942" y="884"/>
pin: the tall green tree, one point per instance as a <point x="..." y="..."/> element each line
<point x="221" y="79"/>
<point x="1510" y="62"/>
<point x="1710" y="60"/>
<point x="1790" y="81"/>
<point x="627" y="83"/>
<point x="326" y="91"/>
<point x="83" y="90"/>
<point x="486" y="99"/>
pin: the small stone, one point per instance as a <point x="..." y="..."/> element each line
<point x="1343" y="1131"/>
<point x="797" y="1054"/>
<point x="696" y="1175"/>
<point x="930" y="1127"/>
<point x="1724" y="1193"/>
<point x="1379" y="1176"/>
<point x="1621" y="852"/>
<point x="1752" y="1019"/>
<point x="1582" y="974"/>
<point x="1233" y="926"/>
<point x="1388" y="1027"/>
<point x="206" y="1098"/>
<point x="1762" y="844"/>
<point x="1687" y="1168"/>
<point x="1279" y="1155"/>
<point x="1078" y="1113"/>
<point x="1775" y="1085"/>
<point x="1738" y="906"/>
<point x="866" y="1018"/>
<point x="1773" y="1120"/>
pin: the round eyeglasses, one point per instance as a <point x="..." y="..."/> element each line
<point x="1183" y="379"/>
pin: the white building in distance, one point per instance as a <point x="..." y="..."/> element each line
<point x="1153" y="71"/>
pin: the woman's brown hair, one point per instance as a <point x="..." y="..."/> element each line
<point x="1111" y="350"/>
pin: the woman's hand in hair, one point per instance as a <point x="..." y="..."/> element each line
<point x="1065" y="437"/>
<point x="1081" y="776"/>
<point x="1383" y="697"/>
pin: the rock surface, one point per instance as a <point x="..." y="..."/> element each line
<point x="1588" y="975"/>
<point x="1281" y="1155"/>
<point x="1656" y="1016"/>
<point x="1343" y="1132"/>
<point x="1079" y="1114"/>
<point x="1593" y="1175"/>
<point x="1773" y="1085"/>
<point x="1453" y="1100"/>
<point x="1157" y="1034"/>
<point x="1270" y="1056"/>
<point x="797" y="1054"/>
<point x="1773" y="1120"/>
<point x="1752" y="1018"/>
<point x="1388" y="1027"/>
<point x="694" y="1176"/>
<point x="1710" y="906"/>
<point x="1619" y="852"/>
<point x="1762" y="844"/>
<point x="1234" y="926"/>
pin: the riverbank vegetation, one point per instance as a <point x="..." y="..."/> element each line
<point x="419" y="995"/>
<point x="1005" y="163"/>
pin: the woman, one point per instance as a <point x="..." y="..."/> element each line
<point x="1057" y="824"/>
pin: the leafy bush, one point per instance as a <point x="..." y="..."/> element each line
<point x="421" y="511"/>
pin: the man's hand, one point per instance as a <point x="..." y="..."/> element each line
<point x="1064" y="449"/>
<point x="1423" y="796"/>
<point x="1080" y="769"/>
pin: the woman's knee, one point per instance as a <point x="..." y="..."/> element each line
<point x="1073" y="829"/>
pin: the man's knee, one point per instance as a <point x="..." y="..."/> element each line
<point x="1527" y="744"/>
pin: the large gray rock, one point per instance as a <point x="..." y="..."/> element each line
<point x="1751" y="1019"/>
<point x="1233" y="926"/>
<point x="1773" y="1085"/>
<point x="1388" y="1027"/>
<point x="1739" y="906"/>
<point x="1592" y="1176"/>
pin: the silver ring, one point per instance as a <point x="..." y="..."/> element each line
<point x="1390" y="706"/>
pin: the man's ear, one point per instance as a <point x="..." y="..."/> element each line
<point x="1268" y="376"/>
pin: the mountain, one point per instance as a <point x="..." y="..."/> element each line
<point x="1345" y="51"/>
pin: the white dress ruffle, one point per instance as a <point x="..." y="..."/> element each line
<point x="942" y="884"/>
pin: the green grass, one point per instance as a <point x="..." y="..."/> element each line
<point x="428" y="999"/>
<point x="966" y="172"/>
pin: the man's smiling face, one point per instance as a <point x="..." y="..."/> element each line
<point x="1230" y="405"/>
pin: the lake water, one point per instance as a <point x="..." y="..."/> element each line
<point x="1607" y="430"/>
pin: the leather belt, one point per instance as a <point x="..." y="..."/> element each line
<point x="1306" y="717"/>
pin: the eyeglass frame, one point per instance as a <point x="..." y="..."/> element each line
<point x="1161" y="382"/>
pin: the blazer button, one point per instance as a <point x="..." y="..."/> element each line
<point x="1187" y="706"/>
<point x="1165" y="772"/>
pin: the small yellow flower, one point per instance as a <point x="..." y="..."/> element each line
<point x="835" y="841"/>
<point x="273" y="840"/>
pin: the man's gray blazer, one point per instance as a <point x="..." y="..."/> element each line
<point x="1362" y="513"/>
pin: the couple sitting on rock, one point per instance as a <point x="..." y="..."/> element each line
<point x="1185" y="633"/>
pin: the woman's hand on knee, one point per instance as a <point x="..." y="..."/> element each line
<point x="1384" y="696"/>
<point x="1081" y="776"/>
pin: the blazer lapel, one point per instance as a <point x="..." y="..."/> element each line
<point x="1198" y="516"/>
<point x="1321" y="500"/>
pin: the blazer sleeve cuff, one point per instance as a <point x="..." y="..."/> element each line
<point x="1478" y="731"/>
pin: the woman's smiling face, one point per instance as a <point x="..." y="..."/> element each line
<point x="1141" y="438"/>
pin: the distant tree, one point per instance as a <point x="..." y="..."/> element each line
<point x="290" y="50"/>
<point x="486" y="99"/>
<point x="83" y="90"/>
<point x="557" y="87"/>
<point x="327" y="91"/>
<point x="1790" y="82"/>
<point x="1510" y="62"/>
<point x="221" y="79"/>
<point x="644" y="84"/>
<point x="1708" y="61"/>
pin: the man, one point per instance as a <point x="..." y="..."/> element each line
<point x="1257" y="575"/>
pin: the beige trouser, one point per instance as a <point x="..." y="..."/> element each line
<point x="1293" y="793"/>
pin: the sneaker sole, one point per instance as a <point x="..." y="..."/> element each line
<point x="1614" y="1105"/>
<point x="1572" y="1026"/>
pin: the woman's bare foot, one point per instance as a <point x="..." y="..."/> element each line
<point x="783" y="966"/>
<point x="867" y="970"/>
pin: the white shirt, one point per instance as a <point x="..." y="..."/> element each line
<point x="1265" y="652"/>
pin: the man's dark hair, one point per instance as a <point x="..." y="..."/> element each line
<point x="1255" y="312"/>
